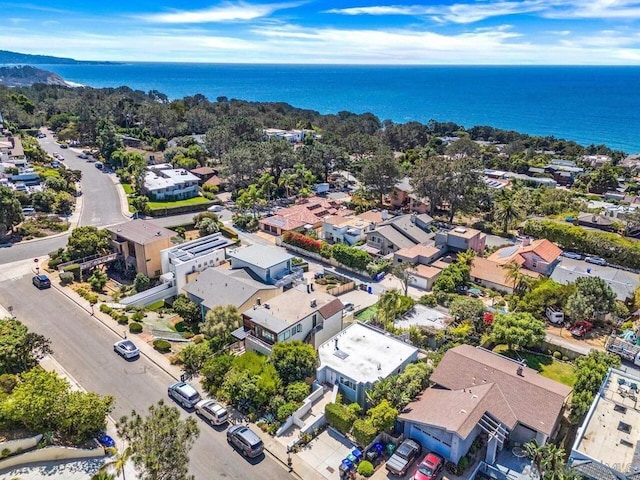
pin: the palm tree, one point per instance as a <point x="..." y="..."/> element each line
<point x="514" y="273"/>
<point x="118" y="464"/>
<point x="389" y="306"/>
<point x="507" y="209"/>
<point x="287" y="180"/>
<point x="466" y="257"/>
<point x="102" y="476"/>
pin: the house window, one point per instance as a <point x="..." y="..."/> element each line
<point x="314" y="319"/>
<point x="348" y="383"/>
<point x="293" y="331"/>
<point x="268" y="336"/>
<point x="286" y="335"/>
<point x="298" y="328"/>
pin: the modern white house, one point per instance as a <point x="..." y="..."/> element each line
<point x="185" y="261"/>
<point x="351" y="229"/>
<point x="271" y="265"/>
<point x="606" y="444"/>
<point x="358" y="357"/>
<point x="297" y="314"/>
<point x="163" y="182"/>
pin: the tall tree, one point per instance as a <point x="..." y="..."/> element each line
<point x="380" y="172"/>
<point x="117" y="463"/>
<point x="294" y="361"/>
<point x="188" y="310"/>
<point x="160" y="442"/>
<point x="10" y="210"/>
<point x="20" y="350"/>
<point x="592" y="300"/>
<point x="519" y="328"/>
<point x="507" y="209"/>
<point x="219" y="322"/>
<point x="403" y="272"/>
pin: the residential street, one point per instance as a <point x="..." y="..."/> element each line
<point x="84" y="347"/>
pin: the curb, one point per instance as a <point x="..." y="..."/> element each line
<point x="117" y="332"/>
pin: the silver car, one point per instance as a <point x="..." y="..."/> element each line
<point x="184" y="394"/>
<point x="212" y="412"/>
<point x="126" y="349"/>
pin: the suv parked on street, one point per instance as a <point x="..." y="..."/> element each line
<point x="212" y="411"/>
<point x="245" y="440"/>
<point x="184" y="394"/>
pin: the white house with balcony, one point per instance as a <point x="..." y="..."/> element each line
<point x="351" y="229"/>
<point x="163" y="182"/>
<point x="185" y="261"/>
<point x="297" y="314"/>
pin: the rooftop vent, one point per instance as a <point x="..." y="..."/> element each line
<point x="313" y="303"/>
<point x="158" y="234"/>
<point x="340" y="354"/>
<point x="620" y="409"/>
<point x="520" y="370"/>
<point x="266" y="306"/>
<point x="460" y="230"/>
<point x="624" y="427"/>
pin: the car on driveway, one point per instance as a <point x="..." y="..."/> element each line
<point x="572" y="255"/>
<point x="430" y="468"/>
<point x="245" y="440"/>
<point x="41" y="281"/>
<point x="403" y="457"/>
<point x="212" y="412"/>
<point x="184" y="394"/>
<point x="126" y="349"/>
<point x="84" y="156"/>
<point x="596" y="261"/>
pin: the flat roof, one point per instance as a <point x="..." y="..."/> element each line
<point x="611" y="430"/>
<point x="262" y="256"/>
<point x="198" y="247"/>
<point x="367" y="354"/>
<point x="423" y="316"/>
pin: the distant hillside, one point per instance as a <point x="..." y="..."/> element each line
<point x="27" y="76"/>
<point x="16" y="58"/>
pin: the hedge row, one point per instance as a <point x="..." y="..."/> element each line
<point x="363" y="431"/>
<point x="610" y="246"/>
<point x="117" y="315"/>
<point x="339" y="416"/>
<point x="349" y="256"/>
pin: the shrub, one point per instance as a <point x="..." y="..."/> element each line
<point x="104" y="308"/>
<point x="8" y="382"/>
<point x="286" y="410"/>
<point x="135" y="327"/>
<point x="364" y="432"/>
<point x="302" y="241"/>
<point x="162" y="346"/>
<point x="66" y="277"/>
<point x="557" y="355"/>
<point x="351" y="256"/>
<point x="339" y="417"/>
<point x="198" y="339"/>
<point x="365" y="468"/>
<point x="138" y="316"/>
<point x="297" y="391"/>
<point x="463" y="463"/>
<point x="123" y="319"/>
<point x="74" y="268"/>
<point x="428" y="300"/>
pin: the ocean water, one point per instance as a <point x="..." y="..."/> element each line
<point x="599" y="105"/>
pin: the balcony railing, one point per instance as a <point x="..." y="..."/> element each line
<point x="296" y="274"/>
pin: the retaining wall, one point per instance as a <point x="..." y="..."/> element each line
<point x="51" y="454"/>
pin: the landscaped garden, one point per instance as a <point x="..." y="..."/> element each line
<point x="547" y="365"/>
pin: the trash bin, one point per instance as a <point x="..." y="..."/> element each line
<point x="369" y="289"/>
<point x="357" y="454"/>
<point x="390" y="449"/>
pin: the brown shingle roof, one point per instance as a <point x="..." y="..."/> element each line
<point x="330" y="309"/>
<point x="460" y="410"/>
<point x="494" y="272"/>
<point x="536" y="401"/>
<point x="203" y="171"/>
<point x="141" y="231"/>
<point x="426" y="271"/>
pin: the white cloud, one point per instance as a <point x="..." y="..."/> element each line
<point x="596" y="9"/>
<point x="456" y="13"/>
<point x="225" y="12"/>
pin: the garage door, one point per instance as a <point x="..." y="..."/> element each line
<point x="418" y="282"/>
<point x="429" y="442"/>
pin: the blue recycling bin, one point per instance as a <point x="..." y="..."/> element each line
<point x="357" y="454"/>
<point x="369" y="289"/>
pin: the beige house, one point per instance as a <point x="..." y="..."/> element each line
<point x="140" y="242"/>
<point x="494" y="275"/>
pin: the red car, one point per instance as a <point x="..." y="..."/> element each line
<point x="430" y="467"/>
<point x="581" y="328"/>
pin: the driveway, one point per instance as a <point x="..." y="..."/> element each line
<point x="325" y="453"/>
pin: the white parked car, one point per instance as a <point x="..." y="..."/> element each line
<point x="212" y="412"/>
<point x="215" y="208"/>
<point x="596" y="261"/>
<point x="126" y="349"/>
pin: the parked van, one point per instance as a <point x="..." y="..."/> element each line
<point x="555" y="316"/>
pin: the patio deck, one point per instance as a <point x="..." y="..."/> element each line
<point x="507" y="467"/>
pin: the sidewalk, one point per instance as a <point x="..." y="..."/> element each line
<point x="301" y="469"/>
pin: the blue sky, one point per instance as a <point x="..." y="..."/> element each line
<point x="535" y="32"/>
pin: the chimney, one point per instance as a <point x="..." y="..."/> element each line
<point x="258" y="301"/>
<point x="308" y="288"/>
<point x="313" y="303"/>
<point x="379" y="366"/>
<point x="336" y="343"/>
<point x="520" y="370"/>
<point x="312" y="287"/>
<point x="413" y="217"/>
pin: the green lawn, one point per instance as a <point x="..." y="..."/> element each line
<point x="128" y="189"/>
<point x="178" y="203"/>
<point x="367" y="314"/>
<point x="548" y="367"/>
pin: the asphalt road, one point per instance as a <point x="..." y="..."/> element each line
<point x="85" y="348"/>
<point x="101" y="204"/>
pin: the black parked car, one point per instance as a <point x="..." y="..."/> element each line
<point x="41" y="281"/>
